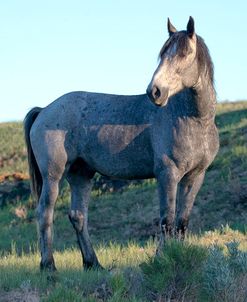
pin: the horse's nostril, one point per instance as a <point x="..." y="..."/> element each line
<point x="156" y="92"/>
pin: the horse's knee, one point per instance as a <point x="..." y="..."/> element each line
<point x="77" y="219"/>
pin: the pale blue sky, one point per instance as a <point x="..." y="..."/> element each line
<point x="52" y="47"/>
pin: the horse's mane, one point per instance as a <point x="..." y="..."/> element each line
<point x="203" y="56"/>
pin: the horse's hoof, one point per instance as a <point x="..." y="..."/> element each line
<point x="48" y="266"/>
<point x="92" y="266"/>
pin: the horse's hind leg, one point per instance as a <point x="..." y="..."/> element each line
<point x="45" y="212"/>
<point x="189" y="188"/>
<point x="80" y="183"/>
<point x="51" y="158"/>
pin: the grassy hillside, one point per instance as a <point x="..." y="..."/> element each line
<point x="12" y="149"/>
<point x="123" y="226"/>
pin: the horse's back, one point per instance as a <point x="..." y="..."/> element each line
<point x="109" y="132"/>
<point x="75" y="107"/>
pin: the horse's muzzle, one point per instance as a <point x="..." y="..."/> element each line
<point x="158" y="96"/>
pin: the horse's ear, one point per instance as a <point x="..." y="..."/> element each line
<point x="191" y="27"/>
<point x="170" y="27"/>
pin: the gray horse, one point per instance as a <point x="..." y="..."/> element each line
<point x="173" y="137"/>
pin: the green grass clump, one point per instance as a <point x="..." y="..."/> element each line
<point x="176" y="273"/>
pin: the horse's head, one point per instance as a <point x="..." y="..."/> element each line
<point x="178" y="66"/>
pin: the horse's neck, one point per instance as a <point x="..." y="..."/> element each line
<point x="204" y="98"/>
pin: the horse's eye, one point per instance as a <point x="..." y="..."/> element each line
<point x="189" y="51"/>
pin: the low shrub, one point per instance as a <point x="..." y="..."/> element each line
<point x="176" y="273"/>
<point x="225" y="275"/>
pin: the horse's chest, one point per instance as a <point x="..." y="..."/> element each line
<point x="194" y="145"/>
<point x="188" y="144"/>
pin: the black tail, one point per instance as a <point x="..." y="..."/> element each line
<point x="35" y="176"/>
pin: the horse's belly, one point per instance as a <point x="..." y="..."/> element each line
<point x="120" y="151"/>
<point x="126" y="169"/>
<point x="126" y="172"/>
<point x="125" y="165"/>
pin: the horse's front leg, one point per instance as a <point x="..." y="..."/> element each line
<point x="188" y="190"/>
<point x="45" y="212"/>
<point x="167" y="188"/>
